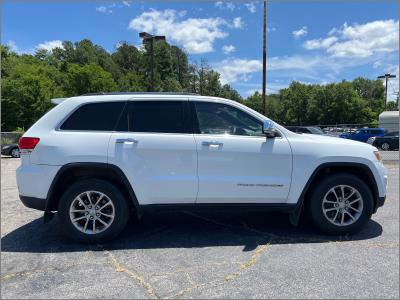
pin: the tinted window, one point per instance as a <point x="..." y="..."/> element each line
<point x="216" y="118"/>
<point x="303" y="130"/>
<point x="393" y="134"/>
<point x="373" y="131"/>
<point x="95" y="116"/>
<point x="153" y="116"/>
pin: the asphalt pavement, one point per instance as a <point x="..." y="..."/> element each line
<point x="201" y="255"/>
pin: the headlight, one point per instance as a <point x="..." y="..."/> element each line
<point x="6" y="147"/>
<point x="378" y="155"/>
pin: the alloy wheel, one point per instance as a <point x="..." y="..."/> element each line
<point x="385" y="146"/>
<point x="92" y="212"/>
<point x="342" y="205"/>
<point x="15" y="152"/>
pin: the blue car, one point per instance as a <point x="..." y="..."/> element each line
<point x="363" y="134"/>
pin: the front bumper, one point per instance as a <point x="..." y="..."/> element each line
<point x="32" y="202"/>
<point x="5" y="151"/>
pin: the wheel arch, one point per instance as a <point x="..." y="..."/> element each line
<point x="323" y="170"/>
<point x="70" y="173"/>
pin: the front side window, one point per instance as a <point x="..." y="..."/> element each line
<point x="153" y="116"/>
<point x="95" y="116"/>
<point x="218" y="118"/>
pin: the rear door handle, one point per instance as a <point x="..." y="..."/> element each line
<point x="212" y="143"/>
<point x="128" y="141"/>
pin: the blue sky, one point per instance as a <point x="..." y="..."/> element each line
<point x="312" y="42"/>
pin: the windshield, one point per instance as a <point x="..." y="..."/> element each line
<point x="315" y="130"/>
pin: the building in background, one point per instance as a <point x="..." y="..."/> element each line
<point x="389" y="120"/>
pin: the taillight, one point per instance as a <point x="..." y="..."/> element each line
<point x="28" y="143"/>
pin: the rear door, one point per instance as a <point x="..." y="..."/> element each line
<point x="155" y="148"/>
<point x="236" y="162"/>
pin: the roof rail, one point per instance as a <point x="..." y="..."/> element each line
<point x="139" y="93"/>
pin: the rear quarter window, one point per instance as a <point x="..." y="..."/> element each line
<point x="94" y="116"/>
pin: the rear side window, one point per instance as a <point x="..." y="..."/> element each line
<point x="154" y="116"/>
<point x="95" y="116"/>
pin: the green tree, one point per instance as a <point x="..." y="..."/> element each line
<point x="27" y="90"/>
<point x="90" y="78"/>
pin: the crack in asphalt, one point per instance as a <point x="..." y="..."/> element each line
<point x="242" y="267"/>
<point x="28" y="273"/>
<point x="119" y="267"/>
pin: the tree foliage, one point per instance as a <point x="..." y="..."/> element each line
<point x="30" y="81"/>
<point x="355" y="102"/>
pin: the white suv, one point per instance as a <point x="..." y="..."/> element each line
<point x="95" y="158"/>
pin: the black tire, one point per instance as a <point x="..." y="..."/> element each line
<point x="14" y="153"/>
<point x="121" y="212"/>
<point x="318" y="193"/>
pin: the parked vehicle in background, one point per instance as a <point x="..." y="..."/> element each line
<point x="363" y="134"/>
<point x="10" y="150"/>
<point x="388" y="142"/>
<point x="96" y="158"/>
<point x="305" y="129"/>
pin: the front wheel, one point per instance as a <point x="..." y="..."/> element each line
<point x="93" y="211"/>
<point x="341" y="204"/>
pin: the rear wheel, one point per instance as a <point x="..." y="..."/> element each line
<point x="341" y="204"/>
<point x="93" y="211"/>
<point x="385" y="146"/>
<point x="15" y="153"/>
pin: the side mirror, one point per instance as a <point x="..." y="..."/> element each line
<point x="269" y="129"/>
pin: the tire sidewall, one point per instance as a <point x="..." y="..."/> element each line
<point x="119" y="202"/>
<point x="323" y="187"/>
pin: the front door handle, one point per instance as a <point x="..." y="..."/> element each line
<point x="128" y="141"/>
<point x="212" y="143"/>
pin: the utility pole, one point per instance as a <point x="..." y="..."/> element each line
<point x="264" y="74"/>
<point x="149" y="38"/>
<point x="386" y="77"/>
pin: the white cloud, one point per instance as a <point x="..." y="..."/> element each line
<point x="393" y="84"/>
<point x="233" y="70"/>
<point x="300" y="32"/>
<point x="104" y="9"/>
<point x="359" y="40"/>
<point x="320" y="43"/>
<point x="237" y="22"/>
<point x="127" y="3"/>
<point x="251" y="7"/>
<point x="13" y="46"/>
<point x="196" y="35"/>
<point x="228" y="49"/>
<point x="225" y="5"/>
<point x="377" y="64"/>
<point x="50" y="45"/>
<point x="271" y="29"/>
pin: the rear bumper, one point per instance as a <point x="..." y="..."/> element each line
<point x="35" y="180"/>
<point x="32" y="202"/>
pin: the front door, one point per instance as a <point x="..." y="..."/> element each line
<point x="236" y="162"/>
<point x="156" y="150"/>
